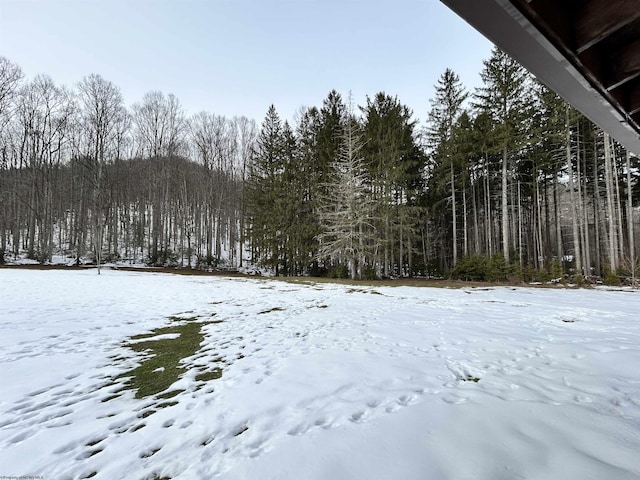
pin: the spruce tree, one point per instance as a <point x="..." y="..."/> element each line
<point x="308" y="179"/>
<point x="505" y="98"/>
<point x="394" y="164"/>
<point x="446" y="107"/>
<point x="265" y="206"/>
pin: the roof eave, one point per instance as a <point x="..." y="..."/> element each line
<point x="507" y="28"/>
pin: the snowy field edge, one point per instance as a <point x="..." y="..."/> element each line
<point x="319" y="380"/>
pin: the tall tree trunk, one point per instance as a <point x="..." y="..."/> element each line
<point x="488" y="219"/>
<point x="387" y="239"/>
<point x="520" y="226"/>
<point x="556" y="211"/>
<point x="572" y="197"/>
<point x="454" y="243"/>
<point x="632" y="253"/>
<point x="474" y="206"/>
<point x="505" y="209"/>
<point x="540" y="256"/>
<point x="401" y="246"/>
<point x="596" y="210"/>
<point x="584" y="219"/>
<point x="424" y="244"/>
<point x="465" y="227"/>
<point x="618" y="203"/>
<point x="613" y="254"/>
<point x="97" y="203"/>
<point x="409" y="254"/>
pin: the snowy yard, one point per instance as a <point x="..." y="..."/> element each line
<point x="316" y="381"/>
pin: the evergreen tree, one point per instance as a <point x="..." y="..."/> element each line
<point x="504" y="97"/>
<point x="264" y="195"/>
<point x="394" y="165"/>
<point x="445" y="110"/>
<point x="291" y="206"/>
<point x="329" y="130"/>
<point x="309" y="177"/>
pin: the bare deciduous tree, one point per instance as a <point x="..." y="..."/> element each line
<point x="102" y="112"/>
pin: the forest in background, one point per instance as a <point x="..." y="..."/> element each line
<point x="507" y="182"/>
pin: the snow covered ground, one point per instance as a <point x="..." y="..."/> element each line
<point x="319" y="381"/>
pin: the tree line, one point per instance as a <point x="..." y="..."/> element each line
<point x="506" y="181"/>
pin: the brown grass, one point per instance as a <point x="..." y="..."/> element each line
<point x="399" y="282"/>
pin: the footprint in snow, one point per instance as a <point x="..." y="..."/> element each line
<point x="298" y="430"/>
<point x="89" y="454"/>
<point x="56" y="415"/>
<point x="406" y="400"/>
<point x="359" y="417"/>
<point x="38" y="392"/>
<point x="67" y="448"/>
<point x="582" y="399"/>
<point x="454" y="400"/>
<point x="322" y="422"/>
<point x="23" y="436"/>
<point x="394" y="407"/>
<point x="7" y="422"/>
<point x="149" y="453"/>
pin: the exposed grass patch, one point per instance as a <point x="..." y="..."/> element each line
<point x="109" y="398"/>
<point x="117" y="358"/>
<point x="169" y="394"/>
<point x="137" y="427"/>
<point x="175" y="318"/>
<point x="362" y="290"/>
<point x="274" y="309"/>
<point x="214" y="374"/>
<point x="162" y="367"/>
<point x="400" y="282"/>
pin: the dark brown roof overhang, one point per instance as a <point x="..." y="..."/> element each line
<point x="588" y="51"/>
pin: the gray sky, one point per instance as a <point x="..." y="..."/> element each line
<point x="236" y="57"/>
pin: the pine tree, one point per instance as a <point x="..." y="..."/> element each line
<point x="264" y="195"/>
<point x="394" y="165"/>
<point x="445" y="110"/>
<point x="504" y="97"/>
<point x="307" y="177"/>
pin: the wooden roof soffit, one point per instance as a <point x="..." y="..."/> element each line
<point x="586" y="50"/>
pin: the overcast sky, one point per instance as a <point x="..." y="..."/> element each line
<point x="236" y="57"/>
